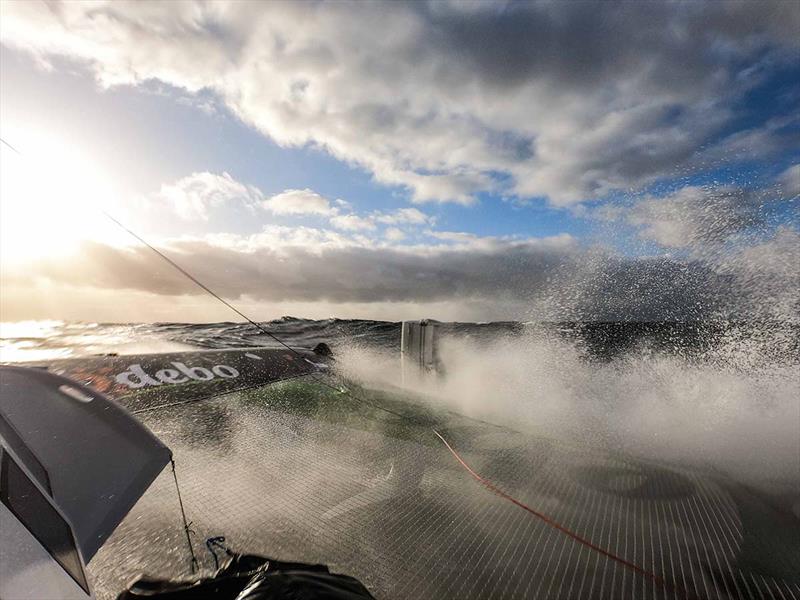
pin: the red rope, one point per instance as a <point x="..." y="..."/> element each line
<point x="581" y="540"/>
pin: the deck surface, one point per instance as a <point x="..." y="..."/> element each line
<point x="298" y="472"/>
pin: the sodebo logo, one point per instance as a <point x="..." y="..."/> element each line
<point x="137" y="377"/>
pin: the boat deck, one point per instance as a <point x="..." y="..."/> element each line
<point x="298" y="472"/>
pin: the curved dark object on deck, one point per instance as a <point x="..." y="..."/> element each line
<point x="322" y="349"/>
<point x="251" y="577"/>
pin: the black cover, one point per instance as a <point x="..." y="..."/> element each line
<point x="92" y="456"/>
<point x="251" y="577"/>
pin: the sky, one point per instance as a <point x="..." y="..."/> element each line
<point x="454" y="160"/>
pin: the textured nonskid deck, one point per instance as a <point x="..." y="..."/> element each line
<point x="296" y="472"/>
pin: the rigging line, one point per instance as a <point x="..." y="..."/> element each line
<point x="263" y="330"/>
<point x="558" y="526"/>
<point x="240" y="313"/>
<point x="202" y="285"/>
<point x="10" y="146"/>
<point x="485" y="482"/>
<point x="347" y="392"/>
<point x="184" y="272"/>
<point x="186" y="524"/>
<point x="205" y="288"/>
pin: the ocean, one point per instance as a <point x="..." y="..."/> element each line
<point x="43" y="340"/>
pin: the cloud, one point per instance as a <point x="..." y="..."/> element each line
<point x="352" y="223"/>
<point x="553" y="278"/>
<point x="768" y="139"/>
<point x="300" y="263"/>
<point x="454" y="236"/>
<point x="404" y="216"/>
<point x="705" y="220"/>
<point x="192" y="197"/>
<point x="299" y="202"/>
<point x="696" y="216"/>
<point x="527" y="99"/>
<point x="309" y="202"/>
<point x="789" y="181"/>
<point x="393" y="234"/>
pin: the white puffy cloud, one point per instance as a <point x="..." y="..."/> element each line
<point x="278" y="237"/>
<point x="532" y="99"/>
<point x="352" y="223"/>
<point x="404" y="216"/>
<point x="193" y="196"/>
<point x="299" y="202"/>
<point x="393" y="234"/>
<point x="309" y="202"/>
<point x="408" y="217"/>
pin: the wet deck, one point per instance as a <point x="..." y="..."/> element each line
<point x="298" y="472"/>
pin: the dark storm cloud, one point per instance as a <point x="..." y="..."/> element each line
<point x="351" y="273"/>
<point x="551" y="278"/>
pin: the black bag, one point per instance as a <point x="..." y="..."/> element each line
<point x="251" y="577"/>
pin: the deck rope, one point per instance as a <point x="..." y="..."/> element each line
<point x="186" y="524"/>
<point x="558" y="526"/>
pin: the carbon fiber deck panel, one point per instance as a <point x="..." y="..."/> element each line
<point x="296" y="472"/>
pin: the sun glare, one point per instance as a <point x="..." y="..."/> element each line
<point x="50" y="198"/>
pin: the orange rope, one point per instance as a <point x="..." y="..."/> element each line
<point x="581" y="540"/>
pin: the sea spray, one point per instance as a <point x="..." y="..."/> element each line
<point x="731" y="409"/>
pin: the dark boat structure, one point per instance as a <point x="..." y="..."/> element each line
<point x="72" y="464"/>
<point x="284" y="458"/>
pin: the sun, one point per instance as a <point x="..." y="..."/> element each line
<point x="51" y="193"/>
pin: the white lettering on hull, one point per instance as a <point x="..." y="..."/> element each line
<point x="136" y="377"/>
